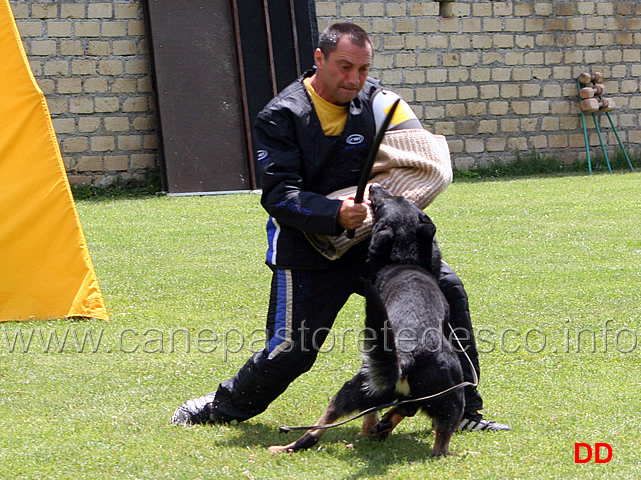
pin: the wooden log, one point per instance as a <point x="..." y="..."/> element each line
<point x="607" y="105"/>
<point x="586" y="78"/>
<point x="589" y="92"/>
<point x="590" y="105"/>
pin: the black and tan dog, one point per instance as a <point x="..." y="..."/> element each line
<point x="407" y="352"/>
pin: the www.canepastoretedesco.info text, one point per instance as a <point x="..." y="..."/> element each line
<point x="534" y="340"/>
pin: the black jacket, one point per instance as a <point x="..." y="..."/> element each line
<point x="300" y="165"/>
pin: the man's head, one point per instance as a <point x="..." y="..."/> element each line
<point x="332" y="34"/>
<point x="343" y="58"/>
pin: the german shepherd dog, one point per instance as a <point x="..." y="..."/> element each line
<point x="407" y="353"/>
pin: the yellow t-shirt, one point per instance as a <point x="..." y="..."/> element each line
<point x="332" y="117"/>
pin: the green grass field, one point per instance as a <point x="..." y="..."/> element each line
<point x="553" y="270"/>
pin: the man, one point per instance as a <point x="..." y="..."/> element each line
<point x="313" y="139"/>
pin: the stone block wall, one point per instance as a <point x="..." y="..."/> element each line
<point x="90" y="59"/>
<point x="498" y="78"/>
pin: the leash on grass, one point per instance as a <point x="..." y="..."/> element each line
<point x="286" y="428"/>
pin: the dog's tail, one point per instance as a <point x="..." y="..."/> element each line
<point x="380" y="363"/>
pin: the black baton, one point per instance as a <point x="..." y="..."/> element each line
<point x="371" y="156"/>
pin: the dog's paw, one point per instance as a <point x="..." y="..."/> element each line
<point x="275" y="449"/>
<point x="306" y="441"/>
<point x="442" y="453"/>
<point x="381" y="430"/>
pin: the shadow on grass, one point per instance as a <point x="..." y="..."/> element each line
<point x="344" y="445"/>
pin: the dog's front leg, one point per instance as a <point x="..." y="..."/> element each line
<point x="390" y="420"/>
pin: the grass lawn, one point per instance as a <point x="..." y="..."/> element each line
<point x="553" y="270"/>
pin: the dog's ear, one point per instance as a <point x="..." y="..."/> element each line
<point x="427" y="246"/>
<point x="380" y="247"/>
<point x="426" y="230"/>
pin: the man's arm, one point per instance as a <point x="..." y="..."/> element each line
<point x="284" y="195"/>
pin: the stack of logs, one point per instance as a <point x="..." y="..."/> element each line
<point x="591" y="99"/>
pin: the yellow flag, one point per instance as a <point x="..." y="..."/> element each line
<point x="45" y="267"/>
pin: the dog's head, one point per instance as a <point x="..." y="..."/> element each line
<point x="402" y="234"/>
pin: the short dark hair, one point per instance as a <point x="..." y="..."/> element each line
<point x="331" y="36"/>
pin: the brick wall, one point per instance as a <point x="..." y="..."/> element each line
<point x="90" y="59"/>
<point x="498" y="78"/>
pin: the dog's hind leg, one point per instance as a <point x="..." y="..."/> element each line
<point x="446" y="415"/>
<point x="369" y="421"/>
<point x="350" y="398"/>
<point x="312" y="437"/>
<point x="442" y="439"/>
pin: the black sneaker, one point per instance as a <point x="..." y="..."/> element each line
<point x="475" y="422"/>
<point x="196" y="411"/>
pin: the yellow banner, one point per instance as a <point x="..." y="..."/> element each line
<point x="45" y="267"/>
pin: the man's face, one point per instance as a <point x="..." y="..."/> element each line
<point x="341" y="74"/>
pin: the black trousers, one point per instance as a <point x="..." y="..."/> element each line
<point x="302" y="310"/>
